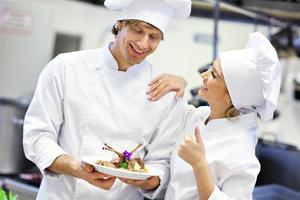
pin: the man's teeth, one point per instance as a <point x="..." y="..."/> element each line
<point x="138" y="51"/>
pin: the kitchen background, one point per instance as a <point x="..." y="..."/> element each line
<point x="32" y="32"/>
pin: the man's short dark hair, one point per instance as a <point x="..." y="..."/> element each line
<point x="115" y="30"/>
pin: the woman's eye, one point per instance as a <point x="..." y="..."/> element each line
<point x="213" y="74"/>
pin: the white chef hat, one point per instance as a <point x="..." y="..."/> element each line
<point x="253" y="76"/>
<point x="159" y="13"/>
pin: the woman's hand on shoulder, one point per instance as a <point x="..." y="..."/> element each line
<point x="165" y="83"/>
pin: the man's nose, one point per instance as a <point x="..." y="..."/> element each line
<point x="143" y="42"/>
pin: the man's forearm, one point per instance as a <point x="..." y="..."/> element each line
<point x="65" y="164"/>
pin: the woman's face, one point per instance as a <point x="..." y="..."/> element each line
<point x="214" y="89"/>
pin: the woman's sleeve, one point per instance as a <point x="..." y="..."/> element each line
<point x="239" y="181"/>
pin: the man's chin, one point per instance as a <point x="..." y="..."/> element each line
<point x="137" y="61"/>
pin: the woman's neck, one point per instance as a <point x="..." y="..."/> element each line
<point x="217" y="113"/>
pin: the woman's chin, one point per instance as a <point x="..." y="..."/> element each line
<point x="201" y="94"/>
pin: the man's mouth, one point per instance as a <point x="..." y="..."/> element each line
<point x="137" y="51"/>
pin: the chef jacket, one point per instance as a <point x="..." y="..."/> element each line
<point x="230" y="153"/>
<point x="81" y="101"/>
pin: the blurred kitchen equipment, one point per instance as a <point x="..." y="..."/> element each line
<point x="206" y="67"/>
<point x="274" y="192"/>
<point x="12" y="112"/>
<point x="297" y="89"/>
<point x="280" y="162"/>
<point x="66" y="43"/>
<point x="24" y="190"/>
<point x="286" y="39"/>
<point x="196" y="100"/>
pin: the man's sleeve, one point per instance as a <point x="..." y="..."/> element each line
<point x="44" y="118"/>
<point x="163" y="143"/>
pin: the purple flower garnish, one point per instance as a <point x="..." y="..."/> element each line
<point x="127" y="155"/>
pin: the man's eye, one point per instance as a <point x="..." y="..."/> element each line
<point x="137" y="30"/>
<point x="154" y="37"/>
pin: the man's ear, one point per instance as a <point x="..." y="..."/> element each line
<point x="119" y="25"/>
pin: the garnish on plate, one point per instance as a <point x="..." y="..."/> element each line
<point x="125" y="160"/>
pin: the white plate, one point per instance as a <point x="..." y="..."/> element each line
<point x="122" y="173"/>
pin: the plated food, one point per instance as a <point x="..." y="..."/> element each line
<point x="125" y="160"/>
<point x="124" y="166"/>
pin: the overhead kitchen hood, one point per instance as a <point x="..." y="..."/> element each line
<point x="288" y="10"/>
<point x="285" y="10"/>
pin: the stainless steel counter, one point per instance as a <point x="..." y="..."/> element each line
<point x="24" y="191"/>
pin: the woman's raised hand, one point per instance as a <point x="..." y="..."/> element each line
<point x="192" y="149"/>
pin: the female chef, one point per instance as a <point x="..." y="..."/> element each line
<point x="221" y="163"/>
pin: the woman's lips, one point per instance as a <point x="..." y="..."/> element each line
<point x="202" y="87"/>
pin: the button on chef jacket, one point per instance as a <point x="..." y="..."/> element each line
<point x="230" y="153"/>
<point x="82" y="101"/>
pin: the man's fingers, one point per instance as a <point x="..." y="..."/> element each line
<point x="86" y="167"/>
<point x="98" y="179"/>
<point x="102" y="176"/>
<point x="105" y="184"/>
<point x="132" y="182"/>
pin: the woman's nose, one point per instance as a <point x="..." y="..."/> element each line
<point x="204" y="74"/>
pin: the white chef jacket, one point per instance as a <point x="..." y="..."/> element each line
<point x="230" y="152"/>
<point x="82" y="101"/>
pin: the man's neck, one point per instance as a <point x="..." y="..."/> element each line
<point x="123" y="68"/>
<point x="122" y="65"/>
